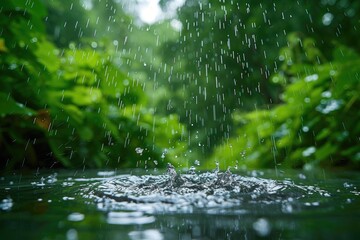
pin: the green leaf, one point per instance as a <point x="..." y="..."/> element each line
<point x="47" y="55"/>
<point x="324" y="152"/>
<point x="8" y="106"/>
<point x="86" y="133"/>
<point x="2" y="45"/>
<point x="84" y="96"/>
<point x="344" y="54"/>
<point x="75" y="113"/>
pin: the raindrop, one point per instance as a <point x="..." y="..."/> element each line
<point x="329" y="105"/>
<point x="311" y="78"/>
<point x="309" y="151"/>
<point x="76" y="217"/>
<point x="327" y="19"/>
<point x="164" y="153"/>
<point x="305" y="128"/>
<point x="94" y="45"/>
<point x="326" y="94"/>
<point x="139" y="150"/>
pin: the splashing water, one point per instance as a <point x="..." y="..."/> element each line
<point x="191" y="192"/>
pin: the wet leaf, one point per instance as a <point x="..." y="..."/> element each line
<point x="8" y="106"/>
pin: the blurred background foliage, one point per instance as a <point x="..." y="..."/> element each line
<point x="251" y="84"/>
<point x="315" y="125"/>
<point x="73" y="106"/>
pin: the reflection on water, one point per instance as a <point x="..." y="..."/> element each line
<point x="208" y="205"/>
<point x="128" y="218"/>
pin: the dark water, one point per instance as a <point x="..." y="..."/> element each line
<point x="166" y="205"/>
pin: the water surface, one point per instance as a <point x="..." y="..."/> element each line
<point x="136" y="204"/>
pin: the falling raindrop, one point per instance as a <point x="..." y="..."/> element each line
<point x="139" y="150"/>
<point x="309" y="151"/>
<point x="327" y="18"/>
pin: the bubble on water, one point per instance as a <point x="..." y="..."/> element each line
<point x="52" y="178"/>
<point x="41" y="183"/>
<point x="129" y="218"/>
<point x="71" y="234"/>
<point x="150" y="234"/>
<point x="76" y="217"/>
<point x="106" y="173"/>
<point x="301" y="176"/>
<point x="67" y="184"/>
<point x="68" y="198"/>
<point x="6" y="204"/>
<point x="262" y="227"/>
<point x="312" y="204"/>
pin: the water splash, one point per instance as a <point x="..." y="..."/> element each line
<point x="186" y="193"/>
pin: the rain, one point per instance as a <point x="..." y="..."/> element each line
<point x="166" y="119"/>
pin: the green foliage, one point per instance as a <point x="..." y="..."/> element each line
<point x="317" y="123"/>
<point x="91" y="87"/>
<point x="74" y="106"/>
<point x="227" y="51"/>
